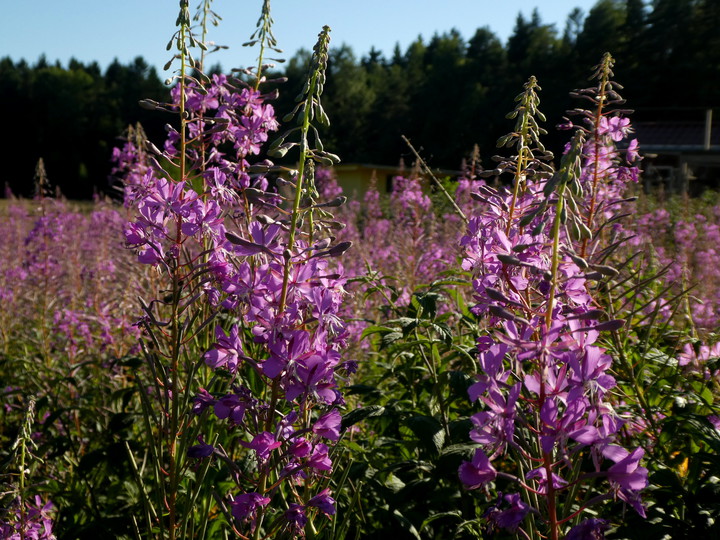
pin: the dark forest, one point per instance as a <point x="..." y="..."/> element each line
<point x="668" y="59"/>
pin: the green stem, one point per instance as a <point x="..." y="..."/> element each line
<point x="21" y="489"/>
<point x="275" y="392"/>
<point x="298" y="191"/>
<point x="175" y="337"/>
<point x="518" y="176"/>
<point x="602" y="97"/>
<point x="265" y="29"/>
<point x="427" y="170"/>
<point x="206" y="7"/>
<point x="555" y="258"/>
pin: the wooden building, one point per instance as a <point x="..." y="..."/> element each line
<point x="680" y="156"/>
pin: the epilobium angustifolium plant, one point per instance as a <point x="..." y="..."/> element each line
<point x="545" y="384"/>
<point x="65" y="328"/>
<point x="24" y="518"/>
<point x="251" y="283"/>
<point x="502" y="358"/>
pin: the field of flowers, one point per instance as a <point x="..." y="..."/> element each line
<point x="239" y="351"/>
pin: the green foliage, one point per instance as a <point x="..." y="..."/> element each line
<point x="106" y="440"/>
<point x="411" y="433"/>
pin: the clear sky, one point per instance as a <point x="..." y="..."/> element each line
<point x="102" y="30"/>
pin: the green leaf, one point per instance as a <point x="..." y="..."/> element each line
<point x="353" y="417"/>
<point x="407" y="324"/>
<point x="429" y="432"/>
<point x="452" y="513"/>
<point x="393" y="483"/>
<point x="390" y="338"/>
<point x="428" y="301"/>
<point x="444" y="332"/>
<point x="464" y="451"/>
<point x="362" y="389"/>
<point x="121" y="422"/>
<point x="707" y="396"/>
<point x="406" y="524"/>
<point x="376" y="329"/>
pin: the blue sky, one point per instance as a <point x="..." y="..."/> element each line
<point x="105" y="29"/>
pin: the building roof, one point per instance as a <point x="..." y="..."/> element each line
<point x="389" y="169"/>
<point x="676" y="136"/>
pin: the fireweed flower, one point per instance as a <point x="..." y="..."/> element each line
<point x="36" y="525"/>
<point x="616" y="127"/>
<point x="476" y="473"/>
<point x="245" y="506"/>
<point x="507" y="513"/>
<point x="328" y="425"/>
<point x="296" y="518"/>
<point x="227" y="351"/>
<point x="590" y="529"/>
<point x="543" y="370"/>
<point x="263" y="443"/>
<point x="280" y="298"/>
<point x="324" y="502"/>
<point x="626" y="472"/>
<point x="202" y="401"/>
<point x="233" y="406"/>
<point x="687" y="246"/>
<point x="495" y="428"/>
<point x="201" y="450"/>
<point x="539" y="475"/>
<point x="300" y="448"/>
<point x="319" y="459"/>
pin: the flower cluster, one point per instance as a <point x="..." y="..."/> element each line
<point x="172" y="214"/>
<point x="545" y="382"/>
<point x="416" y="250"/>
<point x="224" y="242"/>
<point x="687" y="248"/>
<point x="59" y="270"/>
<point x="34" y="523"/>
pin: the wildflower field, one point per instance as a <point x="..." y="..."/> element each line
<point x="237" y="349"/>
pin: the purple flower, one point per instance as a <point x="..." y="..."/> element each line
<point x="324" y="502"/>
<point x="286" y="349"/>
<point x="557" y="426"/>
<point x="540" y="476"/>
<point x="202" y="401"/>
<point x="36" y="525"/>
<point x="227" y="350"/>
<point x="319" y="459"/>
<point x="296" y="517"/>
<point x="328" y="425"/>
<point x="300" y="448"/>
<point x="263" y="443"/>
<point x="589" y="373"/>
<point x="477" y="472"/>
<point x="590" y="529"/>
<point x="626" y="472"/>
<point x="496" y="427"/>
<point x="314" y="375"/>
<point x="231" y="406"/>
<point x="598" y="437"/>
<point x="491" y="363"/>
<point x="632" y="151"/>
<point x="617" y="127"/>
<point x="246" y="505"/>
<point x="201" y="450"/>
<point x="508" y="518"/>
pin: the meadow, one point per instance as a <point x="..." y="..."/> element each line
<point x="236" y="349"/>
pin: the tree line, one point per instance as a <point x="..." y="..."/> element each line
<point x="71" y="117"/>
<point x="445" y="94"/>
